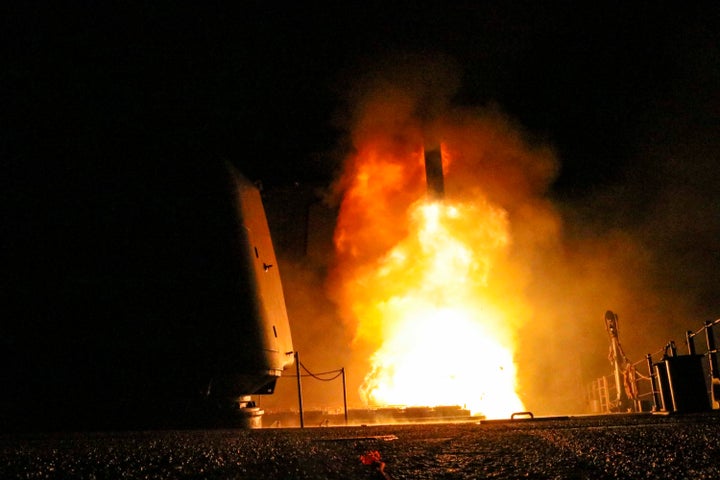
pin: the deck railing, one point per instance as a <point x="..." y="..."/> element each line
<point x="644" y="389"/>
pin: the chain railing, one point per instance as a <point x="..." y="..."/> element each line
<point x="650" y="392"/>
<point x="321" y="376"/>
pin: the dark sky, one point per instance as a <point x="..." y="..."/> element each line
<point x="116" y="120"/>
<point x="261" y="85"/>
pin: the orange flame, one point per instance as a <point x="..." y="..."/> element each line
<point x="417" y="277"/>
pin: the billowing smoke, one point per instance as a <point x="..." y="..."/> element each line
<point x="567" y="263"/>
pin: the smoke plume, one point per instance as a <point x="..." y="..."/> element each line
<point x="567" y="262"/>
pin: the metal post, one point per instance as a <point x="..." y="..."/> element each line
<point x="299" y="388"/>
<point x="636" y="400"/>
<point x="653" y="384"/>
<point x="344" y="396"/>
<point x="690" y="342"/>
<point x="605" y="395"/>
<point x="713" y="371"/>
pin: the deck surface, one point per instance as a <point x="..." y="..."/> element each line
<point x="597" y="447"/>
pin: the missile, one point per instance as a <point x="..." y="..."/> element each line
<point x="434" y="173"/>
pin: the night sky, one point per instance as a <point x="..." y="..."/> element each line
<point x="116" y="121"/>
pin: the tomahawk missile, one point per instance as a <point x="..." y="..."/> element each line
<point x="434" y="173"/>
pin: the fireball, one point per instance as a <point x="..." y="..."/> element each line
<point x="422" y="280"/>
